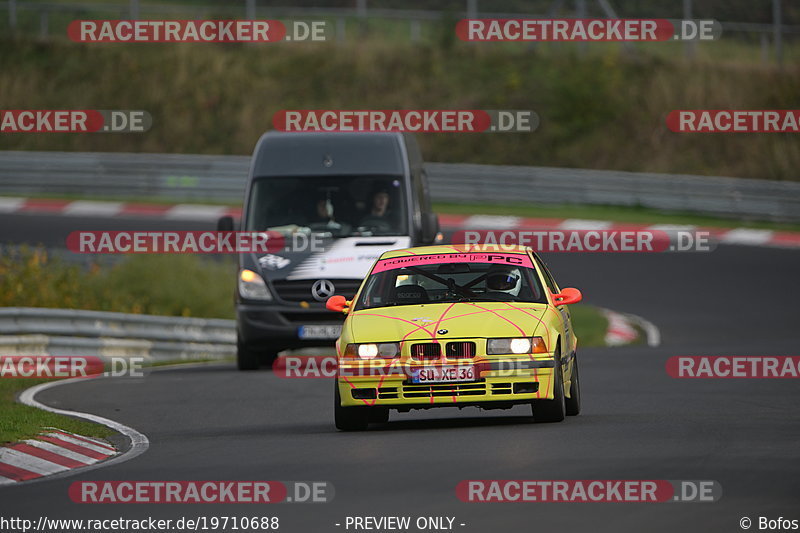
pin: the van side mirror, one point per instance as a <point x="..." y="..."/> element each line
<point x="338" y="303"/>
<point x="568" y="296"/>
<point x="430" y="227"/>
<point x="225" y="223"/>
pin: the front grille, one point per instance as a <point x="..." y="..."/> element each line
<point x="300" y="290"/>
<point x="501" y="388"/>
<point x="459" y="350"/>
<point x="426" y="351"/>
<point x="388" y="393"/>
<point x="432" y="391"/>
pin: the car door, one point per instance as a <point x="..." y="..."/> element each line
<point x="568" y="340"/>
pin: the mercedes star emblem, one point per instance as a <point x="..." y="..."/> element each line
<point x="322" y="289"/>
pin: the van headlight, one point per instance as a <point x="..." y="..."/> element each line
<point x="252" y="286"/>
<point x="517" y="346"/>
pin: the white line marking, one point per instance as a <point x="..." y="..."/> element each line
<point x="491" y="222"/>
<point x="196" y="212"/>
<point x="139" y="441"/>
<point x="84" y="437"/>
<point x="69" y="454"/>
<point x="651" y="330"/>
<point x="11" y="205"/>
<point x="91" y="208"/>
<point x="580" y="224"/>
<point x="6" y="481"/>
<point x="746" y="236"/>
<point x="672" y="227"/>
<point x="28" y="462"/>
<point x="82" y="444"/>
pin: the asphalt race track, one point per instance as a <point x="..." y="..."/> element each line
<point x="215" y="423"/>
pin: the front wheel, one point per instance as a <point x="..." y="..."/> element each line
<point x="246" y="357"/>
<point x="349" y="418"/>
<point x="573" y="403"/>
<point x="552" y="410"/>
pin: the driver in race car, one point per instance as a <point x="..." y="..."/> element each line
<point x="505" y="279"/>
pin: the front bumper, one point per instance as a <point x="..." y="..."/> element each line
<point x="277" y="326"/>
<point x="499" y="380"/>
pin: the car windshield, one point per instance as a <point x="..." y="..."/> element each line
<point x="444" y="282"/>
<point x="336" y="206"/>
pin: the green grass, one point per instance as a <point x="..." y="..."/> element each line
<point x="613" y="213"/>
<point x="590" y="325"/>
<point x="605" y="110"/>
<point x="18" y="421"/>
<point x="173" y="285"/>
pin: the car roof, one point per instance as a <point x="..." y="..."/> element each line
<point x="454" y="249"/>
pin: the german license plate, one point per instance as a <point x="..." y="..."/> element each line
<point x="319" y="332"/>
<point x="443" y="374"/>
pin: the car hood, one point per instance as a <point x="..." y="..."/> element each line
<point x="460" y="320"/>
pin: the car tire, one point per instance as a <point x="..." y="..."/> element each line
<point x="552" y="410"/>
<point x="573" y="403"/>
<point x="268" y="358"/>
<point x="246" y="357"/>
<point x="378" y="415"/>
<point x="349" y="418"/>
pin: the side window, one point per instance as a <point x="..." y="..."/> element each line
<point x="548" y="277"/>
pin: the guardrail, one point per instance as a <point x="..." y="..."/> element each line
<point x="41" y="331"/>
<point x="183" y="178"/>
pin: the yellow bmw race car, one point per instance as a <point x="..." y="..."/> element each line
<point x="441" y="326"/>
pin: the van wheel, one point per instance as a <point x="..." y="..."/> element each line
<point x="268" y="358"/>
<point x="573" y="403"/>
<point x="552" y="410"/>
<point x="349" y="418"/>
<point x="246" y="357"/>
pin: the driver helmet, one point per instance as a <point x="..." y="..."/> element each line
<point x="504" y="279"/>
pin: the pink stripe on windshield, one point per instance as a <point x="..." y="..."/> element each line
<point x="520" y="260"/>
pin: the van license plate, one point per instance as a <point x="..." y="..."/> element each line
<point x="319" y="332"/>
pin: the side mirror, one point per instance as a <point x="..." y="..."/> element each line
<point x="430" y="227"/>
<point x="568" y="296"/>
<point x="337" y="303"/>
<point x="225" y="223"/>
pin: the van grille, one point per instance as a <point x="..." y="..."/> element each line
<point x="300" y="290"/>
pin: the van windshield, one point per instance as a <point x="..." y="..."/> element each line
<point x="337" y="206"/>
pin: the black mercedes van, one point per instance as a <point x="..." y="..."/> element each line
<point x="338" y="200"/>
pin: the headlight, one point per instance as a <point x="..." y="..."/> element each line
<point x="384" y="350"/>
<point x="252" y="286"/>
<point x="515" y="346"/>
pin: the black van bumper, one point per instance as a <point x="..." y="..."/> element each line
<point x="276" y="327"/>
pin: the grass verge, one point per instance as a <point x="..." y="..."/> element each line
<point x="613" y="213"/>
<point x="18" y="421"/>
